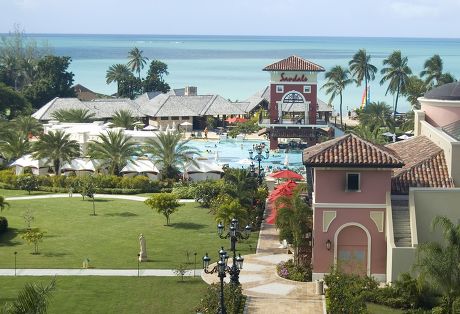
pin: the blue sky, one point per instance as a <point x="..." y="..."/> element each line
<point x="392" y="18"/>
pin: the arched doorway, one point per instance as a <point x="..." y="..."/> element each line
<point x="352" y="249"/>
<point x="295" y="105"/>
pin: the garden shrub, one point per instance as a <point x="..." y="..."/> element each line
<point x="347" y="292"/>
<point x="27" y="182"/>
<point x="206" y="191"/>
<point x="7" y="176"/>
<point x="185" y="191"/>
<point x="290" y="271"/>
<point x="3" y="224"/>
<point x="233" y="299"/>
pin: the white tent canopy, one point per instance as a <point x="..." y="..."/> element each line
<point x="81" y="165"/>
<point x="27" y="161"/>
<point x="203" y="169"/>
<point x="141" y="166"/>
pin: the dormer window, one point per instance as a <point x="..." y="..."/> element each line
<point x="353" y="183"/>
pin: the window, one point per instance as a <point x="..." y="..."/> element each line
<point x="164" y="118"/>
<point x="353" y="182"/>
<point x="280" y="89"/>
<point x="307" y="89"/>
<point x="174" y="118"/>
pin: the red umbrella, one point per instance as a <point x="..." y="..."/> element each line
<point x="286" y="174"/>
<point x="235" y="120"/>
<point x="283" y="191"/>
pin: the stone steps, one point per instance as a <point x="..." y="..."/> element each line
<point x="401" y="223"/>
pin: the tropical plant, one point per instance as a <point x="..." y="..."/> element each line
<point x="230" y="209"/>
<point x="115" y="149"/>
<point x="337" y="80"/>
<point x="170" y="153"/>
<point x="376" y="115"/>
<point x="361" y="68"/>
<point x="446" y="78"/>
<point x="117" y="73"/>
<point x="33" y="236"/>
<point x="75" y="115"/>
<point x="28" y="126"/>
<point x="439" y="263"/>
<point x="89" y="190"/>
<point x="32" y="299"/>
<point x="294" y="218"/>
<point x="123" y="119"/>
<point x="432" y="70"/>
<point x="415" y="88"/>
<point x="408" y="121"/>
<point x="27" y="183"/>
<point x="13" y="145"/>
<point x="233" y="299"/>
<point x="241" y="185"/>
<point x="164" y="203"/>
<point x="3" y="203"/>
<point x="366" y="133"/>
<point x="396" y="72"/>
<point x="154" y="81"/>
<point x="136" y="60"/>
<point x="56" y="147"/>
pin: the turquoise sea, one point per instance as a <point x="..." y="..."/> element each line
<point x="232" y="65"/>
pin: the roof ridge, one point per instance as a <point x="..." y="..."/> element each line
<point x="208" y="105"/>
<point x="50" y="103"/>
<point x="430" y="157"/>
<point x="381" y="148"/>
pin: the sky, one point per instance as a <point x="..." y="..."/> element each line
<point x="364" y="18"/>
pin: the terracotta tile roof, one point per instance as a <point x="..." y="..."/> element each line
<point x="350" y="151"/>
<point x="425" y="165"/>
<point x="294" y="63"/>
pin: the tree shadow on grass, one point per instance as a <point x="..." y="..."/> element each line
<point x="8" y="238"/>
<point x="98" y="200"/>
<point x="123" y="214"/>
<point x="51" y="254"/>
<point x="188" y="225"/>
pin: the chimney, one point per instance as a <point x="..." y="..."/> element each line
<point x="190" y="91"/>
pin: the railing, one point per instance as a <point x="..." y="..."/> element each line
<point x="291" y="123"/>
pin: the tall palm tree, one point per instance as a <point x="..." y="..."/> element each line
<point x="337" y="80"/>
<point x="27" y="125"/>
<point x="14" y="144"/>
<point x="75" y="115"/>
<point x="117" y="73"/>
<point x="361" y="68"/>
<point x="415" y="88"/>
<point x="57" y="147"/>
<point x="170" y="153"/>
<point x="123" y="119"/>
<point x="136" y="60"/>
<point x="115" y="149"/>
<point x="3" y="203"/>
<point x="439" y="263"/>
<point x="397" y="74"/>
<point x="377" y="115"/>
<point x="432" y="71"/>
<point x="240" y="184"/>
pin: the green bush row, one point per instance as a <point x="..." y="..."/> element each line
<point x="104" y="183"/>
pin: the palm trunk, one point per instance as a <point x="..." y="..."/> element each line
<point x="57" y="163"/>
<point x="341" y="119"/>
<point x="396" y="101"/>
<point x="365" y="85"/>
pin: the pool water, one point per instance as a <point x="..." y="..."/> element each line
<point x="235" y="153"/>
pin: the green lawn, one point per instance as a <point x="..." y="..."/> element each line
<point x="11" y="193"/>
<point x="110" y="239"/>
<point x="114" y="294"/>
<point x="380" y="309"/>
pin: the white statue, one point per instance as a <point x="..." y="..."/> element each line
<point x="143" y="252"/>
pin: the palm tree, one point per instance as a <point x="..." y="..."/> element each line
<point x="294" y="219"/>
<point x="376" y="115"/>
<point x="415" y="88"/>
<point x="57" y="147"/>
<point x="439" y="263"/>
<point x="123" y="119"/>
<point x="337" y="80"/>
<point x="14" y="144"/>
<point x="115" y="149"/>
<point x="170" y="153"/>
<point x="239" y="184"/>
<point x="397" y="74"/>
<point x="432" y="70"/>
<point x="75" y="115"/>
<point x="136" y="60"/>
<point x="28" y="125"/>
<point x="117" y="73"/>
<point x="446" y="78"/>
<point x="3" y="203"/>
<point x="366" y="133"/>
<point x="33" y="298"/>
<point x="361" y="68"/>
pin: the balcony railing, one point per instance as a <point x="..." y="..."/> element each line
<point x="292" y="123"/>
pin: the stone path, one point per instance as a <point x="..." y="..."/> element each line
<point x="115" y="196"/>
<point x="97" y="272"/>
<point x="266" y="291"/>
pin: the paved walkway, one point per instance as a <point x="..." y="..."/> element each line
<point x="97" y="272"/>
<point x="115" y="196"/>
<point x="266" y="291"/>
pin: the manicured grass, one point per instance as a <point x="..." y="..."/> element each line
<point x="114" y="294"/>
<point x="110" y="239"/>
<point x="381" y="309"/>
<point x="11" y="193"/>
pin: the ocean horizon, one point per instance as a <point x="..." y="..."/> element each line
<point x="231" y="65"/>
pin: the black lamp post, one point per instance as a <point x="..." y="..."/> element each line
<point x="15" y="255"/>
<point x="259" y="157"/>
<point x="138" y="272"/>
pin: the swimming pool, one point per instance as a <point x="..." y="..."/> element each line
<point x="235" y="153"/>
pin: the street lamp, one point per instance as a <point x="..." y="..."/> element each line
<point x="138" y="258"/>
<point x="15" y="255"/>
<point x="258" y="157"/>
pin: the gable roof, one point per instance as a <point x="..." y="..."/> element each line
<point x="350" y="151"/>
<point x="425" y="165"/>
<point x="294" y="63"/>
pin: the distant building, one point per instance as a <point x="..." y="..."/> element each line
<point x="374" y="204"/>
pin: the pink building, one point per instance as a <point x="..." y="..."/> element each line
<point x="372" y="204"/>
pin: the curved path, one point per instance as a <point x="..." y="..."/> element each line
<point x="62" y="195"/>
<point x="266" y="291"/>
